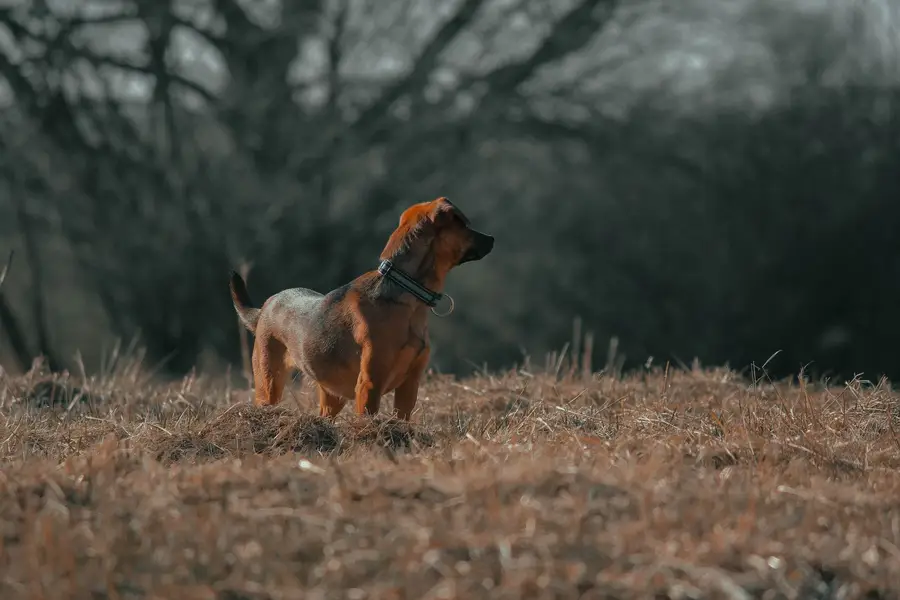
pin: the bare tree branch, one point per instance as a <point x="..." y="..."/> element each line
<point x="335" y="57"/>
<point x="11" y="325"/>
<point x="259" y="105"/>
<point x="5" y="270"/>
<point x="424" y="65"/>
<point x="372" y="120"/>
<point x="122" y="17"/>
<point x="159" y="23"/>
<point x="235" y="18"/>
<point x="207" y="35"/>
<point x="128" y="13"/>
<point x="332" y="110"/>
<point x="244" y="271"/>
<point x="14" y="334"/>
<point x="109" y="61"/>
<point x="569" y="34"/>
<point x="62" y="42"/>
<point x="36" y="268"/>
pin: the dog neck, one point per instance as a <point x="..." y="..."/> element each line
<point x="389" y="270"/>
<point x="413" y="269"/>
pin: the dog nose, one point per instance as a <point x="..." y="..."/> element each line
<point x="488" y="243"/>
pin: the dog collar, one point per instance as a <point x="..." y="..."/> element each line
<point x="428" y="297"/>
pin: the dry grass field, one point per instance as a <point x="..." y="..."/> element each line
<point x="667" y="484"/>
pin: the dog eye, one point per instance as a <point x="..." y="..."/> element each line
<point x="461" y="218"/>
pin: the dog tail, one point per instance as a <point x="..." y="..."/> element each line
<point x="248" y="315"/>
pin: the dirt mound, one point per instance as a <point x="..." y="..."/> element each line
<point x="246" y="429"/>
<point x="187" y="448"/>
<point x="386" y="432"/>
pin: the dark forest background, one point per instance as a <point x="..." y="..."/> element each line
<point x="696" y="178"/>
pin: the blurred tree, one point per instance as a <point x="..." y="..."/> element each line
<point x="657" y="169"/>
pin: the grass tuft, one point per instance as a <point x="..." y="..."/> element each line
<point x="669" y="483"/>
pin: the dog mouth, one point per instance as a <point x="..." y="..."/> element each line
<point x="482" y="244"/>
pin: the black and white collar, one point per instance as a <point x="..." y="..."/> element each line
<point x="389" y="270"/>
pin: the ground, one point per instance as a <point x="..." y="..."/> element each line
<point x="666" y="483"/>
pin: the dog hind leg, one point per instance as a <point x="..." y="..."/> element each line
<point x="270" y="369"/>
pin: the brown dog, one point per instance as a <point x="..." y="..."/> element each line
<point x="370" y="336"/>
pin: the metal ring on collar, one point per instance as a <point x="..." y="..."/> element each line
<point x="449" y="310"/>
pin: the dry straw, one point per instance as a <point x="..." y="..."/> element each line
<point x="680" y="483"/>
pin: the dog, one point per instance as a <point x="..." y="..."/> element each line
<point x="370" y="336"/>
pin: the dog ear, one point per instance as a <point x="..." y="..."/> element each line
<point x="445" y="212"/>
<point x="442" y="211"/>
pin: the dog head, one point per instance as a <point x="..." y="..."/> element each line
<point x="441" y="230"/>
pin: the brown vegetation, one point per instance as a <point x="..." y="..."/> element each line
<point x="684" y="484"/>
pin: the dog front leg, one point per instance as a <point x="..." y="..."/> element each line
<point x="407" y="393"/>
<point x="329" y="405"/>
<point x="368" y="388"/>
